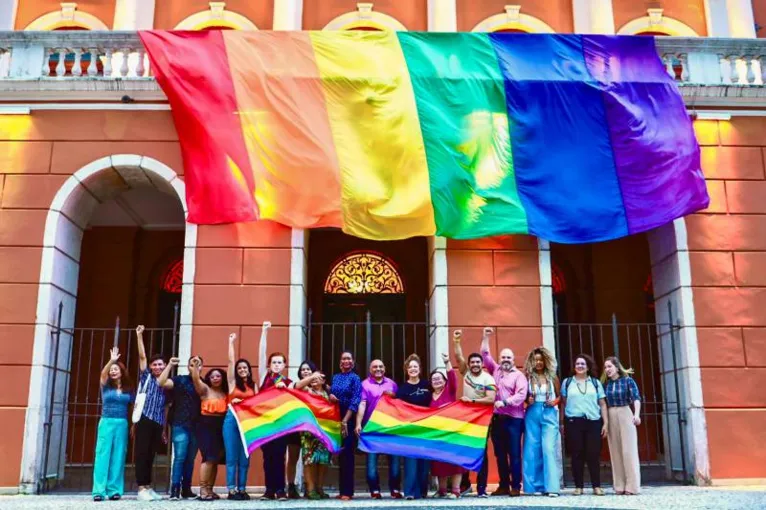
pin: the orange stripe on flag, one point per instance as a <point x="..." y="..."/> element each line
<point x="290" y="144"/>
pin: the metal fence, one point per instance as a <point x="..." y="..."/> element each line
<point x="74" y="406"/>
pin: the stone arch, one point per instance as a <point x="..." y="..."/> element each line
<point x="68" y="216"/>
<point x="663" y="25"/>
<point x="512" y="19"/>
<point x="216" y="17"/>
<point x="365" y="17"/>
<point x="67" y="17"/>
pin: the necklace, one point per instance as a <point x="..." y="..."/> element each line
<point x="582" y="389"/>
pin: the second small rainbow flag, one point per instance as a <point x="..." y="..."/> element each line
<point x="277" y="412"/>
<point x="456" y="433"/>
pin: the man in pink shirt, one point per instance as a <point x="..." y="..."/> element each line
<point x="508" y="419"/>
<point x="373" y="389"/>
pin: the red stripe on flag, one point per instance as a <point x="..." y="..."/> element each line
<point x="193" y="70"/>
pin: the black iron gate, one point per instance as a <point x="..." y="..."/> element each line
<point x="651" y="349"/>
<point x="74" y="406"/>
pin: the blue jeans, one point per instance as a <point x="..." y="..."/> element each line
<point x="184" y="453"/>
<point x="541" y="439"/>
<point x="506" y="439"/>
<point x="109" y="464"/>
<point x="237" y="462"/>
<point x="415" y="477"/>
<point x="394" y="473"/>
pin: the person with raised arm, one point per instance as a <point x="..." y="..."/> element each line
<point x="239" y="375"/>
<point x="478" y="388"/>
<point x="112" y="435"/>
<point x="185" y="410"/>
<point x="373" y="389"/>
<point x="508" y="419"/>
<point x="444" y="392"/>
<point x="149" y="428"/>
<point x="270" y="370"/>
<point x="213" y="391"/>
<point x="346" y="391"/>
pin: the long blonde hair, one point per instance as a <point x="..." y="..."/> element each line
<point x="624" y="372"/>
<point x="549" y="364"/>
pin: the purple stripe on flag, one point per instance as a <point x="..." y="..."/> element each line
<point x="656" y="154"/>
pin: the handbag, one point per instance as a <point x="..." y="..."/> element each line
<point x="138" y="404"/>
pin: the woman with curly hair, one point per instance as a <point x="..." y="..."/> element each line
<point x="541" y="425"/>
<point x="213" y="391"/>
<point x="586" y="421"/>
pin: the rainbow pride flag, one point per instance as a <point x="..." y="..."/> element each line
<point x="277" y="412"/>
<point x="571" y="138"/>
<point x="456" y="433"/>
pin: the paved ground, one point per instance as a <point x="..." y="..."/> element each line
<point x="653" y="498"/>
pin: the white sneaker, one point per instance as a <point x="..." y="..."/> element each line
<point x="145" y="495"/>
<point x="155" y="496"/>
<point x="553" y="494"/>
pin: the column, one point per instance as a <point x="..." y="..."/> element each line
<point x="730" y="18"/>
<point x="288" y="15"/>
<point x="298" y="300"/>
<point x="438" y="309"/>
<point x="546" y="295"/>
<point x="8" y="14"/>
<point x="442" y="16"/>
<point x="134" y="15"/>
<point x="593" y="16"/>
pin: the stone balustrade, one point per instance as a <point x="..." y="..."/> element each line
<point x="87" y="64"/>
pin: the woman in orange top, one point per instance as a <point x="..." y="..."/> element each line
<point x="213" y="392"/>
<point x="241" y="386"/>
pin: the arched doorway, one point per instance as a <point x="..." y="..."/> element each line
<point x="368" y="297"/>
<point x="107" y="228"/>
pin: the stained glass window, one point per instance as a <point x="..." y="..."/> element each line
<point x="173" y="277"/>
<point x="364" y="273"/>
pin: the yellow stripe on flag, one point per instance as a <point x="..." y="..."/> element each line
<point x="385" y="189"/>
<point x="272" y="415"/>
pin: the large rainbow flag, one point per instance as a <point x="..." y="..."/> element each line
<point x="456" y="433"/>
<point x="572" y="138"/>
<point x="277" y="412"/>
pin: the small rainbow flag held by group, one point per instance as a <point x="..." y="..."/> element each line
<point x="456" y="433"/>
<point x="390" y="135"/>
<point x="277" y="412"/>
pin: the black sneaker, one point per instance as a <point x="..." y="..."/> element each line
<point x="115" y="497"/>
<point x="98" y="498"/>
<point x="186" y="493"/>
<point x="244" y="496"/>
<point x="234" y="496"/>
<point x="281" y="496"/>
<point x="175" y="493"/>
<point x="292" y="492"/>
<point x="268" y="496"/>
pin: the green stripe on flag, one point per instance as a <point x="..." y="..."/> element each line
<point x="460" y="95"/>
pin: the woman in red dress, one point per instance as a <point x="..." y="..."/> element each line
<point x="444" y="391"/>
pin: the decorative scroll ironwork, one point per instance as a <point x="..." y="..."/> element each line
<point x="364" y="273"/>
<point x="172" y="280"/>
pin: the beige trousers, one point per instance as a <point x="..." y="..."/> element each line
<point x="623" y="450"/>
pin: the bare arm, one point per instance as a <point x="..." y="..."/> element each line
<point x="488" y="399"/>
<point x="199" y="384"/>
<point x="230" y="375"/>
<point x="604" y="416"/>
<point x="164" y="379"/>
<point x="637" y="411"/>
<point x="141" y="349"/>
<point x="457" y="336"/>
<point x="303" y="383"/>
<point x="114" y="357"/>
<point x="360" y="415"/>
<point x="263" y="346"/>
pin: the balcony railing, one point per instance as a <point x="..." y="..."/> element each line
<point x="97" y="62"/>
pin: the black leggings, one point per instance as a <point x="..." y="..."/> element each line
<point x="584" y="442"/>
<point x="148" y="438"/>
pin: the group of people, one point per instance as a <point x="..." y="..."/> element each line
<point x="526" y="417"/>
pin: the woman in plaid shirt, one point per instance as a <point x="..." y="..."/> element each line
<point x="622" y="391"/>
